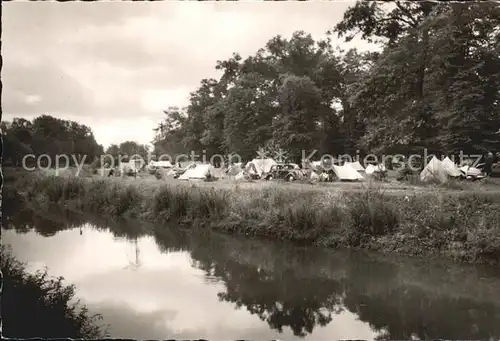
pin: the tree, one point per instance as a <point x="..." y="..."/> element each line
<point x="51" y="136"/>
<point x="299" y="125"/>
<point x="439" y="100"/>
<point x="170" y="132"/>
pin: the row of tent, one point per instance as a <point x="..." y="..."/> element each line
<point x="350" y="171"/>
<point x="435" y="170"/>
<point x="441" y="171"/>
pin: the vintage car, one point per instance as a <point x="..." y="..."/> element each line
<point x="287" y="171"/>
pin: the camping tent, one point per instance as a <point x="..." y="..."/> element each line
<point x="131" y="166"/>
<point x="161" y="164"/>
<point x="198" y="172"/>
<point x="356" y="165"/>
<point x="370" y="169"/>
<point x="434" y="171"/>
<point x="450" y="168"/>
<point x="252" y="169"/>
<point x="263" y="165"/>
<point x="347" y="173"/>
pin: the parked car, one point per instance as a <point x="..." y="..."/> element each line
<point x="288" y="172"/>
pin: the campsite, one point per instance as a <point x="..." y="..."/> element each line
<point x="350" y="176"/>
<point x="273" y="170"/>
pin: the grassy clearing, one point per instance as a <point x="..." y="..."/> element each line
<point x="34" y="305"/>
<point x="461" y="225"/>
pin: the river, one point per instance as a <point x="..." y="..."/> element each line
<point x="186" y="285"/>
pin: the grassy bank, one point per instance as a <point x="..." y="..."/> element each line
<point x="34" y="305"/>
<point x="461" y="226"/>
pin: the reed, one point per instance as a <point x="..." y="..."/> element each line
<point x="462" y="226"/>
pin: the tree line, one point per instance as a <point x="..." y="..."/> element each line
<point x="434" y="84"/>
<point x="48" y="135"/>
<point x="53" y="136"/>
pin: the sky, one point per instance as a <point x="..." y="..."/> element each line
<point x="114" y="66"/>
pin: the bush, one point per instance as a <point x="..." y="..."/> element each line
<point x="33" y="305"/>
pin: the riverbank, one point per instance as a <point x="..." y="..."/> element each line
<point x="34" y="305"/>
<point x="463" y="226"/>
<point x="274" y="281"/>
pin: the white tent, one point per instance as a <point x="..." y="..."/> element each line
<point x="347" y="173"/>
<point x="252" y="169"/>
<point x="129" y="166"/>
<point x="162" y="164"/>
<point x="356" y="165"/>
<point x="263" y="165"/>
<point x="450" y="168"/>
<point x="434" y="171"/>
<point x="199" y="172"/>
<point x="370" y="169"/>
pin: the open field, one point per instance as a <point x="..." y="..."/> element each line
<point x="389" y="186"/>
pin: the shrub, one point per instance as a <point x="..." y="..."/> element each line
<point x="371" y="214"/>
<point x="33" y="305"/>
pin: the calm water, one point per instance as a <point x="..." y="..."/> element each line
<point x="192" y="285"/>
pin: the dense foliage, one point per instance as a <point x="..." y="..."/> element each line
<point x="127" y="150"/>
<point x="53" y="136"/>
<point x="48" y="135"/>
<point x="434" y="85"/>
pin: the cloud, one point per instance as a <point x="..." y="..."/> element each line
<point x="46" y="84"/>
<point x="121" y="61"/>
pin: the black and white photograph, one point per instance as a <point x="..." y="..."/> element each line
<point x="250" y="170"/>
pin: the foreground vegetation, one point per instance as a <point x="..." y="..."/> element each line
<point x="461" y="226"/>
<point x="34" y="305"/>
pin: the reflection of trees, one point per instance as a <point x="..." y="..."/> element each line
<point x="280" y="300"/>
<point x="21" y="221"/>
<point x="48" y="222"/>
<point x="405" y="310"/>
<point x="302" y="288"/>
<point x="282" y="296"/>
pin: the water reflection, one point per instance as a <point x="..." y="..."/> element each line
<point x="295" y="291"/>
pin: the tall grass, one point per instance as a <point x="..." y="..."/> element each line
<point x="34" y="305"/>
<point x="463" y="226"/>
